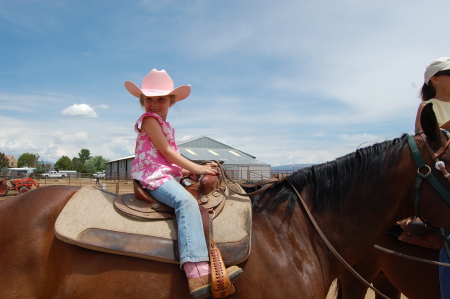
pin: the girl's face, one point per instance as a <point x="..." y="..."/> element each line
<point x="158" y="105"/>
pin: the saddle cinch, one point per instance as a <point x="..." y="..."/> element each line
<point x="137" y="225"/>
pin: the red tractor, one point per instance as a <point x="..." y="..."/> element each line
<point x="19" y="185"/>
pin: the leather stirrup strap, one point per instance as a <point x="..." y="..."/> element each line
<point x="221" y="285"/>
<point x="207" y="227"/>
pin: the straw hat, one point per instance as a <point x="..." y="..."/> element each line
<point x="158" y="83"/>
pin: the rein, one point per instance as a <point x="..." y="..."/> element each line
<point x="280" y="178"/>
<point x="276" y="179"/>
<point x="330" y="246"/>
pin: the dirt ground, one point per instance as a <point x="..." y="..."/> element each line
<point x="370" y="294"/>
<point x="122" y="187"/>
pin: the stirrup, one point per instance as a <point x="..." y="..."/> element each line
<point x="204" y="291"/>
<point x="221" y="285"/>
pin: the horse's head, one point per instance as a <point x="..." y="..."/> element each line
<point x="433" y="143"/>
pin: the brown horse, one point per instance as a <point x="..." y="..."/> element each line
<point x="393" y="275"/>
<point x="354" y="199"/>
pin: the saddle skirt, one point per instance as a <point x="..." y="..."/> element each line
<point x="89" y="220"/>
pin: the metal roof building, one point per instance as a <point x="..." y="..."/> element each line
<point x="238" y="165"/>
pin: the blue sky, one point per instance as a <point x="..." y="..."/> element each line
<point x="286" y="81"/>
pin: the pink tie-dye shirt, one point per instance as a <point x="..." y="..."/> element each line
<point x="149" y="166"/>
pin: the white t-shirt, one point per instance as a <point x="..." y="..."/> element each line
<point x="442" y="110"/>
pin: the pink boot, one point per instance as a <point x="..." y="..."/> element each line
<point x="199" y="278"/>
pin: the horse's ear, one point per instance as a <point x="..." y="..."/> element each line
<point x="429" y="122"/>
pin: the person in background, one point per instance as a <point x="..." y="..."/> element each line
<point x="436" y="90"/>
<point x="159" y="166"/>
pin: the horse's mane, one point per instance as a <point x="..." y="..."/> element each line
<point x="327" y="183"/>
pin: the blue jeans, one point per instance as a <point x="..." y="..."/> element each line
<point x="191" y="238"/>
<point x="444" y="273"/>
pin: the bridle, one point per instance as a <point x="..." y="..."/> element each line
<point x="439" y="165"/>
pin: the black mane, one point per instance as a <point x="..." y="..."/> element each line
<point x="327" y="183"/>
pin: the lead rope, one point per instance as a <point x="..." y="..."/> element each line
<point x="409" y="257"/>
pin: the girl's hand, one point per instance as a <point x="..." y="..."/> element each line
<point x="208" y="169"/>
<point x="192" y="176"/>
<point x="201" y="169"/>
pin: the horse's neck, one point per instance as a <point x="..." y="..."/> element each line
<point x="287" y="248"/>
<point x="367" y="213"/>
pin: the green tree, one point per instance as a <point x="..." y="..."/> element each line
<point x="95" y="164"/>
<point x="84" y="155"/>
<point x="4" y="162"/>
<point x="43" y="167"/>
<point x="64" y="163"/>
<point x="77" y="164"/>
<point x="40" y="168"/>
<point x="28" y="160"/>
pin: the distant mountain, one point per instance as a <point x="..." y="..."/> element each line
<point x="290" y="167"/>
<point x="47" y="162"/>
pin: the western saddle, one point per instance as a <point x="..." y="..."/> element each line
<point x="211" y="199"/>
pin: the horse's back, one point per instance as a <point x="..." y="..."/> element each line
<point x="35" y="264"/>
<point x="26" y="225"/>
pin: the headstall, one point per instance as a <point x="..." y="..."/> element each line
<point x="440" y="165"/>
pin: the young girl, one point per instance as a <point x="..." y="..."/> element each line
<point x="158" y="166"/>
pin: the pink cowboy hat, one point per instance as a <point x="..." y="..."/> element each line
<point x="158" y="83"/>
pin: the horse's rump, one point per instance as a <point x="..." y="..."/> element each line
<point x="89" y="220"/>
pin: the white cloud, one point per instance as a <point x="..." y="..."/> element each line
<point x="298" y="82"/>
<point x="80" y="110"/>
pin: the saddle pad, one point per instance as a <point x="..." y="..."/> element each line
<point x="89" y="220"/>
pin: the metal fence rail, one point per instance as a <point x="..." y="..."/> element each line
<point x="121" y="183"/>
